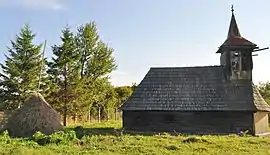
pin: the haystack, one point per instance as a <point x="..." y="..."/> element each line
<point x="34" y="115"/>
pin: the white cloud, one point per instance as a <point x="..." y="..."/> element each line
<point x="35" y="4"/>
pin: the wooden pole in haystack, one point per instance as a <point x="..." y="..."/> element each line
<point x="41" y="66"/>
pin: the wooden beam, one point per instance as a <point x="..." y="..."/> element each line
<point x="261" y="49"/>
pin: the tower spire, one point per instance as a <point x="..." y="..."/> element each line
<point x="233" y="29"/>
<point x="232" y="9"/>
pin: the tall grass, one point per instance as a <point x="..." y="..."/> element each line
<point x="104" y="138"/>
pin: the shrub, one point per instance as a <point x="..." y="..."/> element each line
<point x="60" y="137"/>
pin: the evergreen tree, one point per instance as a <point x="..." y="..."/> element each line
<point x="21" y="70"/>
<point x="96" y="57"/>
<point x="64" y="71"/>
<point x="96" y="63"/>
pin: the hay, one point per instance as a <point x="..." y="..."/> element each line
<point x="35" y="115"/>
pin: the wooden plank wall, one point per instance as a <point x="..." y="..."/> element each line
<point x="189" y="122"/>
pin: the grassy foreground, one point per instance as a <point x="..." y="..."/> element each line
<point x="104" y="139"/>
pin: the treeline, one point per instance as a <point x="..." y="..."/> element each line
<point x="264" y="88"/>
<point x="75" y="81"/>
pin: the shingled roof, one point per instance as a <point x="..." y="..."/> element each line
<point x="194" y="89"/>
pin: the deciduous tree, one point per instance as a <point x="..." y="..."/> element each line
<point x="264" y="89"/>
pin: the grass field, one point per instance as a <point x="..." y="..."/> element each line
<point x="104" y="138"/>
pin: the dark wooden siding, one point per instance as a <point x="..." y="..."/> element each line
<point x="188" y="122"/>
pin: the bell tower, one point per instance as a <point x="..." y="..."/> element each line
<point x="236" y="53"/>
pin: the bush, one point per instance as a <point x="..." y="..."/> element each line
<point x="60" y="137"/>
<point x="79" y="131"/>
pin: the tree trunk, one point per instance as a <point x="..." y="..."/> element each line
<point x="99" y="114"/>
<point x="89" y="117"/>
<point x="65" y="99"/>
<point x="115" y="114"/>
<point x="75" y="118"/>
<point x="65" y="115"/>
<point x="108" y="114"/>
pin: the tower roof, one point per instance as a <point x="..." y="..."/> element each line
<point x="234" y="38"/>
<point x="233" y="29"/>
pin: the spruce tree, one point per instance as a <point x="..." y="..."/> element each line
<point x="64" y="71"/>
<point x="21" y="69"/>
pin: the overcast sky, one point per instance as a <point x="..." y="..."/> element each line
<point x="146" y="33"/>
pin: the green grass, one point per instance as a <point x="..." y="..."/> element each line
<point x="104" y="139"/>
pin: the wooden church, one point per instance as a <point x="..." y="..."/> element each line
<point x="201" y="100"/>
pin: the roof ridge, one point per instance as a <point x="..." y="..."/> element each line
<point x="213" y="66"/>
